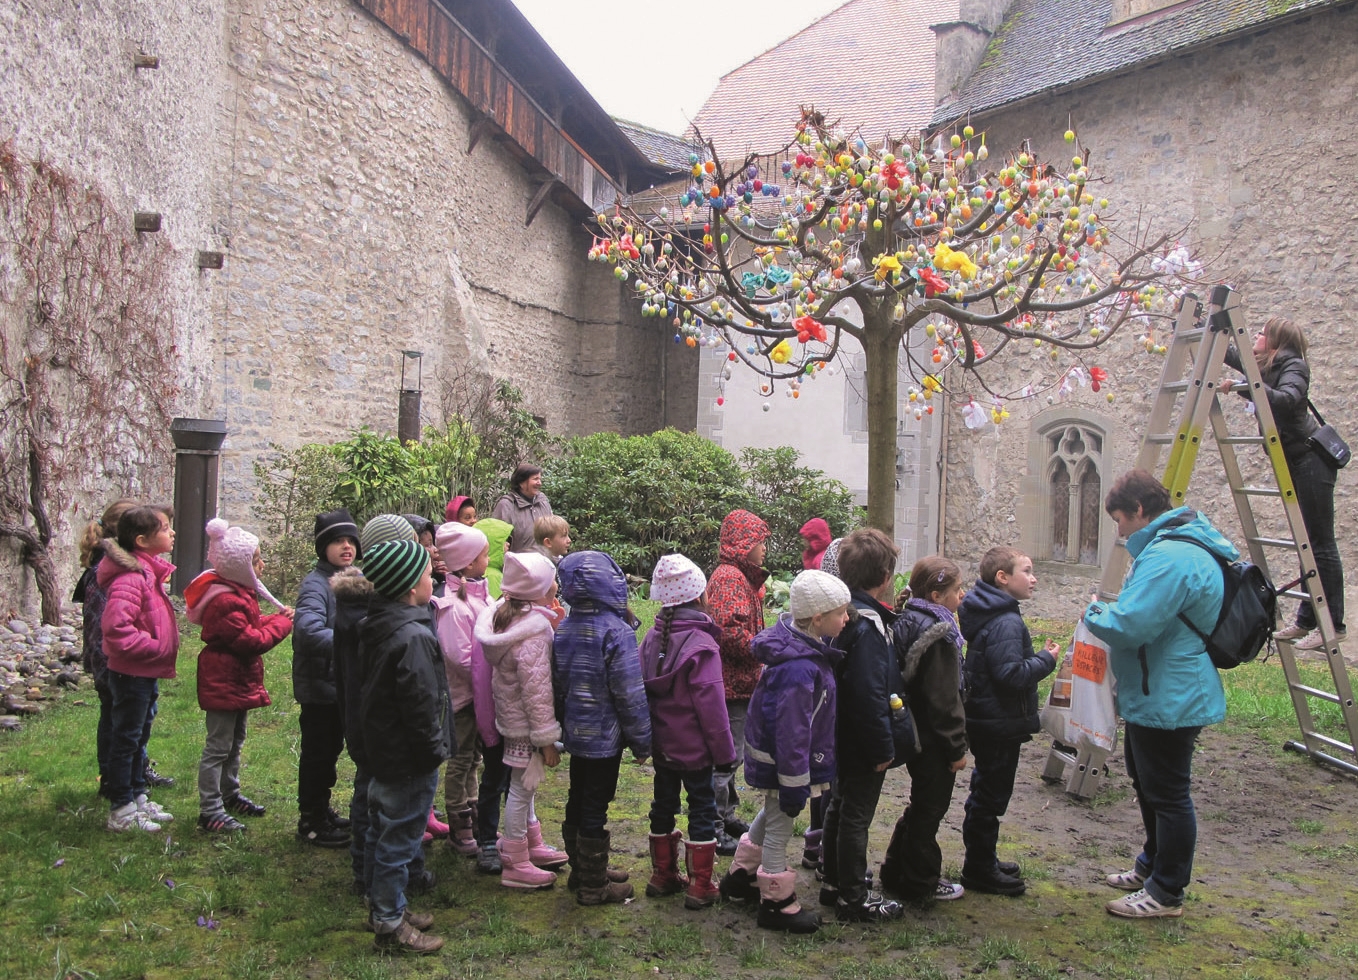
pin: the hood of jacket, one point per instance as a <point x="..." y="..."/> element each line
<point x="522" y="502"/>
<point x="385" y="618"/>
<point x="660" y="672"/>
<point x="817" y="535"/>
<point x="120" y="561"/>
<point x="1183" y="523"/>
<point x="453" y="506"/>
<point x="982" y="604"/>
<point x="592" y="576"/>
<point x="199" y="593"/>
<point x="782" y="642"/>
<point x="741" y="533"/>
<point x="496" y="646"/>
<point x="349" y="585"/>
<point x="497" y="532"/>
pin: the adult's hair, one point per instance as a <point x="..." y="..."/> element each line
<point x="866" y="558"/>
<point x="1001" y="558"/>
<point x="1138" y="488"/>
<point x="932" y="573"/>
<point x="1281" y="334"/>
<point x="105" y="527"/>
<point x="522" y="472"/>
<point x="139" y="522"/>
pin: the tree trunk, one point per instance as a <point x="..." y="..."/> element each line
<point x="881" y="350"/>
<point x="35" y="556"/>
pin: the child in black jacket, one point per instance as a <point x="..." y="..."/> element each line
<point x="1002" y="671"/>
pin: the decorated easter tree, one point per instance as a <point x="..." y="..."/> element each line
<point x="777" y="259"/>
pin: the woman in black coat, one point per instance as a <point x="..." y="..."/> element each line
<point x="1280" y="349"/>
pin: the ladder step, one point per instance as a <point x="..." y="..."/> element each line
<point x="1176" y="385"/>
<point x="1333" y="743"/>
<point x="1295" y="594"/>
<point x="1259" y="491"/>
<point x="1316" y="692"/>
<point x="1189" y="336"/>
<point x="1162" y="438"/>
<point x="1241" y="441"/>
<point x="1274" y="542"/>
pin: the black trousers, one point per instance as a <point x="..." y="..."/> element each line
<point x="914" y="862"/>
<point x="844" y="846"/>
<point x="594" y="783"/>
<point x="322" y="742"/>
<point x="992" y="784"/>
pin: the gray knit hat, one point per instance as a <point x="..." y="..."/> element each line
<point x="395" y="567"/>
<point x="385" y="527"/>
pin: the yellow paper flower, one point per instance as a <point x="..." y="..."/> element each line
<point x="931" y="383"/>
<point x="959" y="262"/>
<point x="886" y="264"/>
<point x="781" y="353"/>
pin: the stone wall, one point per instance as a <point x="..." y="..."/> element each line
<point x="1251" y="145"/>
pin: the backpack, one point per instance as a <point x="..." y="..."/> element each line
<point x="1249" y="608"/>
<point x="904" y="736"/>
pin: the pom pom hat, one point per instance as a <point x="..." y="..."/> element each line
<point x="385" y="527"/>
<point x="395" y="567"/>
<point x="459" y="545"/>
<point x="816" y="592"/>
<point x="676" y="580"/>
<point x="528" y="575"/>
<point x="231" y="553"/>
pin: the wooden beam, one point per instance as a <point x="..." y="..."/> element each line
<point x="483" y="126"/>
<point x="540" y="198"/>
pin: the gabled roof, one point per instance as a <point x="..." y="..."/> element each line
<point x="869" y="63"/>
<point x="665" y="150"/>
<point x="1046" y="45"/>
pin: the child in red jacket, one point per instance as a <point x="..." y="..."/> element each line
<point x="224" y="602"/>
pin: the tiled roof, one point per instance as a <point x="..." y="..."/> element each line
<point x="665" y="150"/>
<point x="1050" y="44"/>
<point x="869" y="63"/>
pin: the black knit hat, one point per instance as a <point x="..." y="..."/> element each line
<point x="395" y="567"/>
<point x="333" y="525"/>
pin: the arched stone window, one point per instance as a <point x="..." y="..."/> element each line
<point x="1073" y="492"/>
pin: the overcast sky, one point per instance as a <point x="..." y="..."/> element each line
<point x="655" y="62"/>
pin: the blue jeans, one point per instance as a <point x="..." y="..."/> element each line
<point x="702" y="802"/>
<point x="1314" y="480"/>
<point x="398" y="812"/>
<point x="134" y="707"/>
<point x="1160" y="763"/>
<point x="103" y="735"/>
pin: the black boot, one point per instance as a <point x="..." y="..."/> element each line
<point x="316" y="828"/>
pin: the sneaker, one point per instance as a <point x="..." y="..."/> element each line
<point x="946" y="891"/>
<point x="155" y="779"/>
<point x="995" y="883"/>
<point x="321" y="833"/>
<point x="245" y="806"/>
<point x="405" y="938"/>
<point x="128" y="817"/>
<point x="1139" y="905"/>
<point x="735" y="827"/>
<point x="153" y="810"/>
<point x="874" y="909"/>
<point x="222" y="823"/>
<point x="1127" y="881"/>
<point x="1317" y="642"/>
<point x="726" y="844"/>
<point x="1292" y="632"/>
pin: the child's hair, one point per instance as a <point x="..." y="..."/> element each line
<point x="1138" y="488"/>
<point x="510" y="610"/>
<point x="550" y="526"/>
<point x="933" y="573"/>
<point x="665" y="619"/>
<point x="1000" y="558"/>
<point x="866" y="558"/>
<point x="140" y="521"/>
<point x="105" y="527"/>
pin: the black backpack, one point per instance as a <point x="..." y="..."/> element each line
<point x="1249" y="608"/>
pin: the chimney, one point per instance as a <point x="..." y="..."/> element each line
<point x="961" y="44"/>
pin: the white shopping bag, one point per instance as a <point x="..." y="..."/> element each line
<point x="1093" y="716"/>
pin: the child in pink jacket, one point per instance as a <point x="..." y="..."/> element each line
<point x="141" y="642"/>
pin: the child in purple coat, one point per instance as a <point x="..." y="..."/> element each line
<point x="690" y="730"/>
<point x="789" y="743"/>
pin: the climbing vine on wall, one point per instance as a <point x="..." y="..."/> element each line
<point x="87" y="355"/>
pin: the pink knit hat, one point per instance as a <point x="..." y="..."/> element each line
<point x="231" y="553"/>
<point x="528" y="575"/>
<point x="459" y="544"/>
<point x="676" y="580"/>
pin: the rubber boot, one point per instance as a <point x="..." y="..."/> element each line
<point x="461" y="833"/>
<point x="811" y="849"/>
<point x="518" y="871"/>
<point x="434" y="826"/>
<point x="739" y="884"/>
<point x="541" y="854"/>
<point x="595" y="886"/>
<point x="665" y="876"/>
<point x="568" y="834"/>
<point x="699" y="857"/>
<point x="778" y="906"/>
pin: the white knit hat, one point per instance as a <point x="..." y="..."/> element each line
<point x="528" y="575"/>
<point x="676" y="580"/>
<point x="815" y="592"/>
<point x="459" y="545"/>
<point x="231" y="553"/>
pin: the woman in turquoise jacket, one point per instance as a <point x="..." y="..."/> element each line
<point x="1167" y="688"/>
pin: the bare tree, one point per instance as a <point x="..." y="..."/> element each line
<point x="778" y="258"/>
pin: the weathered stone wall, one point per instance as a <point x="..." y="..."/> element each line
<point x="1252" y="144"/>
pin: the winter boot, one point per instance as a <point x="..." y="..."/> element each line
<point x="665" y="876"/>
<point x="541" y="854"/>
<point x="316" y="828"/>
<point x="517" y="871"/>
<point x="778" y="907"/>
<point x="595" y="886"/>
<point x="739" y="882"/>
<point x="811" y="849"/>
<point x="573" y="879"/>
<point x="461" y="835"/>
<point x="488" y="859"/>
<point x="700" y="856"/>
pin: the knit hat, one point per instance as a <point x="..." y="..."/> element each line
<point x="454" y="507"/>
<point x="385" y="527"/>
<point x="676" y="580"/>
<point x="816" y="592"/>
<point x="528" y="575"/>
<point x="332" y="526"/>
<point x="420" y="524"/>
<point x="459" y="545"/>
<point x="395" y="567"/>
<point x="231" y="553"/>
<point x="829" y="562"/>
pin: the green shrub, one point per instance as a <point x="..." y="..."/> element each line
<point x="787" y="496"/>
<point x="294" y="485"/>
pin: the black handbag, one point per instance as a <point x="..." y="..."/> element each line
<point x="1328" y="444"/>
